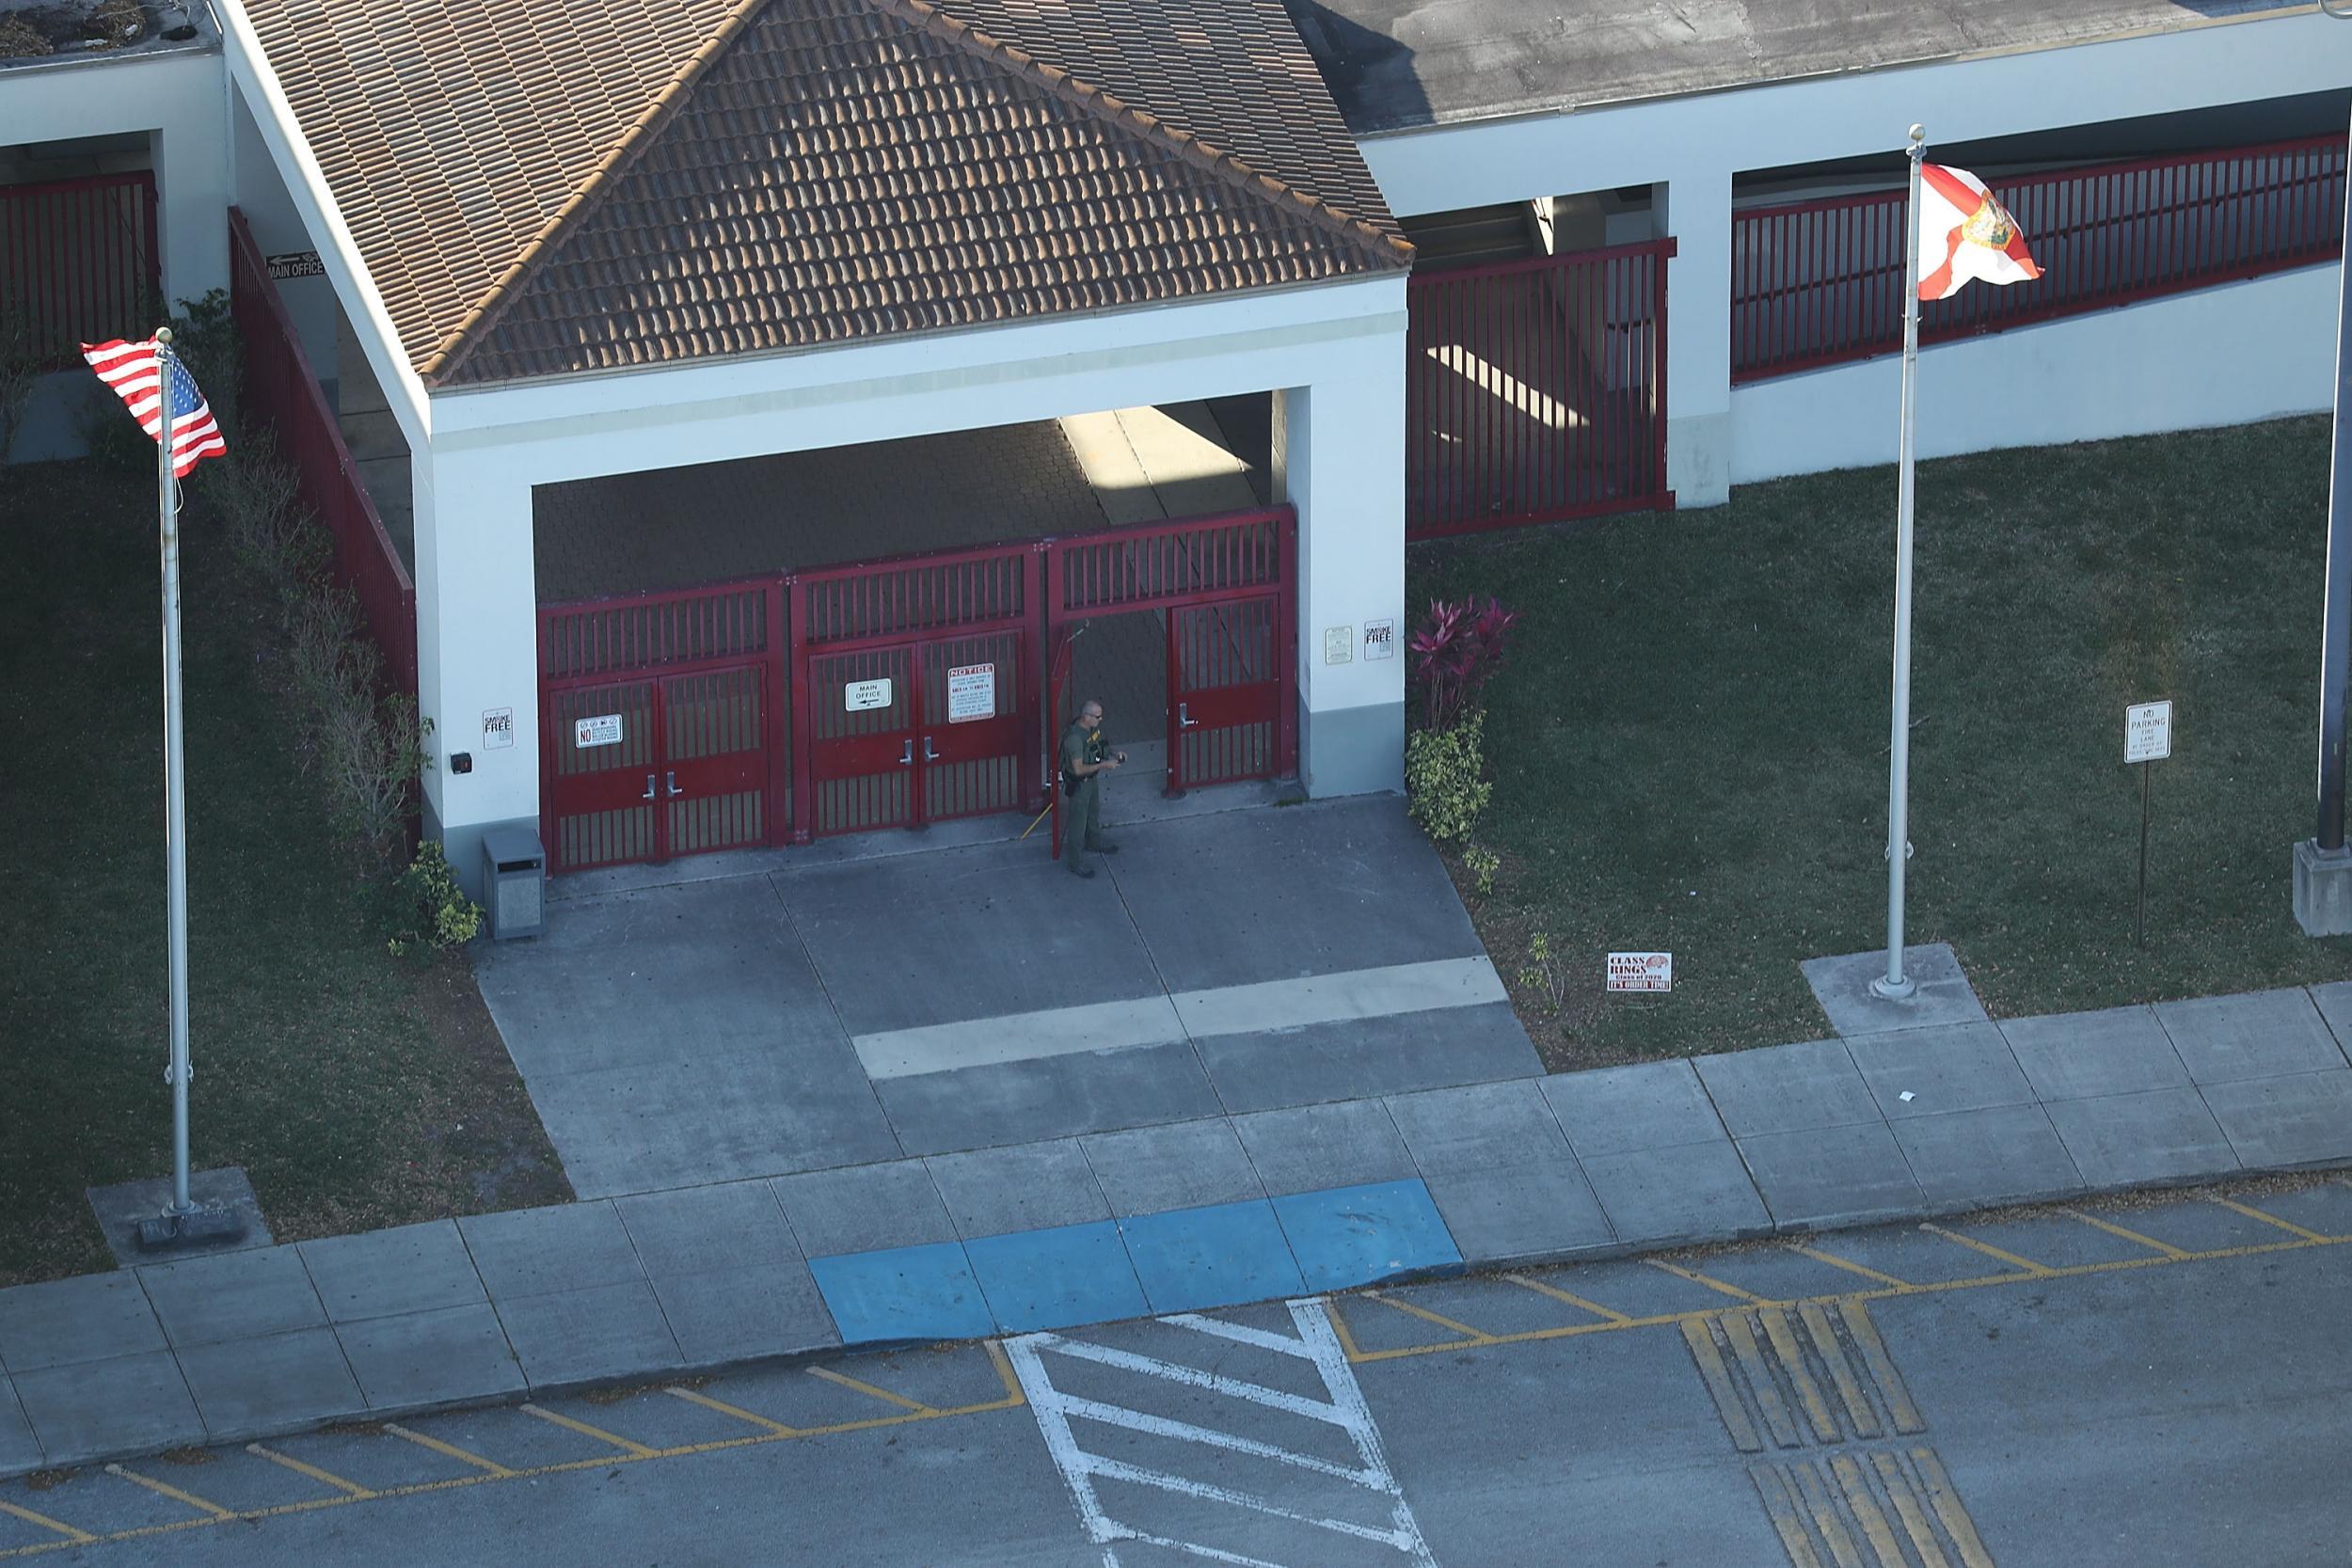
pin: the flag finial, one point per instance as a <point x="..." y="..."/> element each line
<point x="1918" y="134"/>
<point x="163" y="335"/>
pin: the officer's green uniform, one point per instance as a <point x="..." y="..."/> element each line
<point x="1082" y="805"/>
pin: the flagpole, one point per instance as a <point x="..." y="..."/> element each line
<point x="1895" y="983"/>
<point x="175" y="790"/>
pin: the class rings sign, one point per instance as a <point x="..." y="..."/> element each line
<point x="1641" y="972"/>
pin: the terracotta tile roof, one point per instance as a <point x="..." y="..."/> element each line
<point x="789" y="173"/>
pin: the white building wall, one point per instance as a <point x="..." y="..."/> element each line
<point x="1695" y="145"/>
<point x="2128" y="372"/>
<point x="1337" y="352"/>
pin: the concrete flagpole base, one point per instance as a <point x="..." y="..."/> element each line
<point x="1850" y="990"/>
<point x="2323" y="890"/>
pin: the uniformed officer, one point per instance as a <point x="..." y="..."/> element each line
<point x="1086" y="756"/>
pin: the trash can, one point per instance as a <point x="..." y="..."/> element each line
<point x="514" y="883"/>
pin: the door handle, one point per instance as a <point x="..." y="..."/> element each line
<point x="671" y="779"/>
<point x="648" y="795"/>
<point x="906" y="756"/>
<point x="1184" y="721"/>
<point x="929" y="755"/>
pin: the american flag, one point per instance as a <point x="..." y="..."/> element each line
<point x="134" y="371"/>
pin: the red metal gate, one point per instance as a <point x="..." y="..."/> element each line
<point x="79" y="258"/>
<point x="662" y="730"/>
<point x="1535" y="391"/>
<point x="916" y="676"/>
<point x="1224" y="691"/>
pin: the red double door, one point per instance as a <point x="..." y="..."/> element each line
<point x="1224" y="691"/>
<point x="902" y="734"/>
<point x="648" y="769"/>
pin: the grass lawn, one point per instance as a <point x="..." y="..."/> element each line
<point x="357" y="1090"/>
<point x="1689" y="744"/>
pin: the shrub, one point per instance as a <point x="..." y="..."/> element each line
<point x="1443" y="785"/>
<point x="1454" y="653"/>
<point x="431" y="909"/>
<point x="1482" y="863"/>
<point x="1543" y="973"/>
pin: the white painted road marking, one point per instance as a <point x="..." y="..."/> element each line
<point x="1344" y="1409"/>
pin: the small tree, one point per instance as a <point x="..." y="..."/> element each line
<point x="1456" y="652"/>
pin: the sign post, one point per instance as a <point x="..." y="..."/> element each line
<point x="2147" y="738"/>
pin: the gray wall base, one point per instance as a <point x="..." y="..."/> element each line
<point x="1352" y="750"/>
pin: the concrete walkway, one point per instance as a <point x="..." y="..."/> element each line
<point x="1220" y="1209"/>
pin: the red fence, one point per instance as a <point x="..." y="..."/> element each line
<point x="79" y="258"/>
<point x="1536" y="390"/>
<point x="280" y="390"/>
<point x="1821" y="282"/>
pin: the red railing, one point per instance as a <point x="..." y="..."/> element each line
<point x="1821" y="282"/>
<point x="1536" y="390"/>
<point x="79" y="258"/>
<point x="280" y="390"/>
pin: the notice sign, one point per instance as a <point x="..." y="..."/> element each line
<point x="1379" y="638"/>
<point x="498" y="729"/>
<point x="297" y="263"/>
<point x="971" y="692"/>
<point x="603" y="729"/>
<point x="860" y="695"/>
<point x="1641" y="972"/>
<point x="2148" y="731"/>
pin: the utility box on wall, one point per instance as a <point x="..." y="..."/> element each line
<point x="514" y="883"/>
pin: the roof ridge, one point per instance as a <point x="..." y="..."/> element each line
<point x="476" y="323"/>
<point x="1107" y="106"/>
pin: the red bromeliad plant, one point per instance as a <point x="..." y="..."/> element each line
<point x="1455" y="653"/>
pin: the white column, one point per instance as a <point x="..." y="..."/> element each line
<point x="476" y="652"/>
<point x="1339" y="453"/>
<point x="1694" y="207"/>
<point x="191" y="154"/>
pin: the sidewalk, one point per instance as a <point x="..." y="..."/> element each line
<point x="1869" y="1128"/>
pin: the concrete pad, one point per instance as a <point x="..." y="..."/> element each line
<point x="124" y="1405"/>
<point x="382" y="1273"/>
<point x="1540" y="1209"/>
<point x="2130" y="1140"/>
<point x="1483" y="1127"/>
<point x="248" y="1389"/>
<point x="90" y="1318"/>
<point x="18" y="1450"/>
<point x="1242" y="897"/>
<point x="1342" y="997"/>
<point x="1348" y="1144"/>
<point x="1678" y="1196"/>
<point x="1787" y="1089"/>
<point x="729" y="1315"/>
<point x="965" y="934"/>
<point x="1023" y="1036"/>
<point x="121" y="1206"/>
<point x="239" y="1295"/>
<point x="1825" y="1177"/>
<point x="912" y="1294"/>
<point x="1056" y="1278"/>
<point x="1620" y="1109"/>
<point x="1397" y="1054"/>
<point x="2278" y="1123"/>
<point x="1984" y="1158"/>
<point x="1028" y="1187"/>
<point x="1344" y="1237"/>
<point x="2264" y="1033"/>
<point x="441" y="1356"/>
<point x="2092" y="1055"/>
<point x="588" y="1335"/>
<point x="2334" y="1002"/>
<point x="1957" y="1066"/>
<point x="1942" y="993"/>
<point x="1055" y="1097"/>
<point x="704" y="1229"/>
<point x="1218" y="1255"/>
<point x="864" y="1209"/>
<point x="564" y="1246"/>
<point x="1188" y="1165"/>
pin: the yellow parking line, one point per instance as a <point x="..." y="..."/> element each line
<point x="1881" y="1366"/>
<point x="2176" y="1254"/>
<point x="1817" y="1324"/>
<point x="1013" y="1397"/>
<point x="1709" y="1281"/>
<point x="165" y="1489"/>
<point x="1569" y="1297"/>
<point x="72" y="1537"/>
<point x="1799" y="1376"/>
<point x="1470" y="1336"/>
<point x="1907" y="1508"/>
<point x="1780" y="1506"/>
<point x="302" y="1467"/>
<point x="1742" y="1337"/>
<point x="691" y="1397"/>
<point x="1988" y="1249"/>
<point x="556" y="1419"/>
<point x="449" y="1449"/>
<point x="1867" y="1512"/>
<point x="2267" y="1218"/>
<point x="1347" y="1339"/>
<point x="1850" y="1265"/>
<point x="864" y="1388"/>
<point x="1947" y="1507"/>
<point x="1717" y="1376"/>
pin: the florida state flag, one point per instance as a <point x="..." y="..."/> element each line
<point x="1965" y="233"/>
